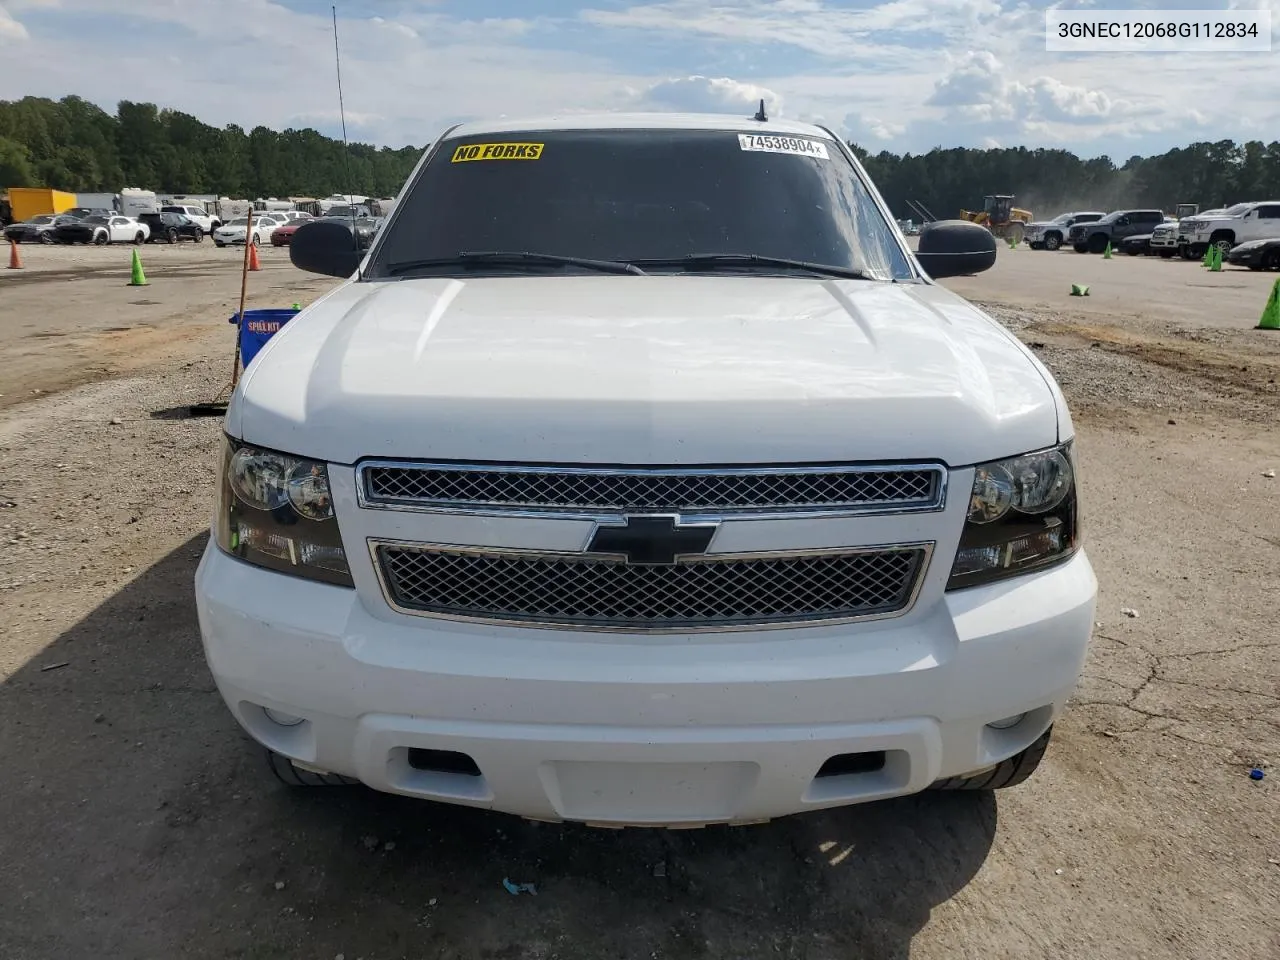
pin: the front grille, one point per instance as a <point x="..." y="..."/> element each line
<point x="603" y="489"/>
<point x="589" y="592"/>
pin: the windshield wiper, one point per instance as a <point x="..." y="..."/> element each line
<point x="753" y="259"/>
<point x="478" y="257"/>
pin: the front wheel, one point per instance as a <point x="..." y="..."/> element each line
<point x="199" y="236"/>
<point x="1052" y="241"/>
<point x="44" y="238"/>
<point x="1097" y="243"/>
<point x="1272" y="260"/>
<point x="1007" y="773"/>
<point x="294" y="776"/>
<point x="138" y="238"/>
<point x="1080" y="247"/>
<point x="101" y="239"/>
<point x="1035" y="245"/>
<point x="219" y="244"/>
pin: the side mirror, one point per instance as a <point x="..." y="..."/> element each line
<point x="955" y="248"/>
<point x="325" y="247"/>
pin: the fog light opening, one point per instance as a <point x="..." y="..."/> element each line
<point x="1007" y="723"/>
<point x="281" y="718"/>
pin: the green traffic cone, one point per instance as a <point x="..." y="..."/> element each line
<point x="1271" y="312"/>
<point x="138" y="279"/>
<point x="1207" y="259"/>
<point x="1079" y="290"/>
<point x="1216" y="265"/>
<point x="1106" y="254"/>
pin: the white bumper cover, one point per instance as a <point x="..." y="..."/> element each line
<point x="668" y="730"/>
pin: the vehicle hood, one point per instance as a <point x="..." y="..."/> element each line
<point x="645" y="370"/>
<point x="1045" y="224"/>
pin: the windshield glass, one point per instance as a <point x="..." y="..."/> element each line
<point x="1237" y="209"/>
<point x="241" y="222"/>
<point x="638" y="195"/>
<point x="95" y="219"/>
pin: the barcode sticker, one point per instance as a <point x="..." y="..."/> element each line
<point x="796" y="145"/>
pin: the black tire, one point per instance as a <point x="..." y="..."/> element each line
<point x="292" y="776"/>
<point x="1035" y="244"/>
<point x="45" y="238"/>
<point x="1052" y="241"/>
<point x="171" y="235"/>
<point x="199" y="237"/>
<point x="1133" y="250"/>
<point x="138" y="238"/>
<point x="219" y="244"/>
<point x="1008" y="773"/>
<point x="1080" y="247"/>
<point x="1097" y="243"/>
<point x="1223" y="241"/>
<point x="1272" y="260"/>
<point x="101" y="239"/>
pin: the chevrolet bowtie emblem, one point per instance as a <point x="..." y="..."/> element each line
<point x="652" y="539"/>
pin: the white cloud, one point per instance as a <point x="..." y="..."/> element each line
<point x="896" y="74"/>
<point x="710" y="95"/>
<point x="11" y="31"/>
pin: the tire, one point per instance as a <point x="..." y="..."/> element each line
<point x="1133" y="250"/>
<point x="1223" y="241"/>
<point x="1097" y="243"/>
<point x="1052" y="241"/>
<point x="45" y="238"/>
<point x="296" y="777"/>
<point x="1080" y="247"/>
<point x="171" y="235"/>
<point x="138" y="239"/>
<point x="1036" y="245"/>
<point x="219" y="244"/>
<point x="1272" y="260"/>
<point x="257" y="240"/>
<point x="1166" y="254"/>
<point x="101" y="239"/>
<point x="199" y="237"/>
<point x="1007" y="773"/>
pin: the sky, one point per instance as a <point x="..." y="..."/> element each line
<point x="902" y="75"/>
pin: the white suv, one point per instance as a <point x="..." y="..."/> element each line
<point x="638" y="474"/>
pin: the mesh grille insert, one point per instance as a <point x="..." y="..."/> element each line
<point x="621" y="490"/>
<point x="591" y="592"/>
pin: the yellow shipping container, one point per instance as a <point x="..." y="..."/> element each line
<point x="28" y="202"/>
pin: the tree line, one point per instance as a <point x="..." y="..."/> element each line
<point x="73" y="145"/>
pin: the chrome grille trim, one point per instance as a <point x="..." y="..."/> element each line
<point x="592" y="492"/>
<point x="502" y="567"/>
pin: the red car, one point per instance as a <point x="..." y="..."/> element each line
<point x="282" y="234"/>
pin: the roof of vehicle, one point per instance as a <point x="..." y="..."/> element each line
<point x="639" y="121"/>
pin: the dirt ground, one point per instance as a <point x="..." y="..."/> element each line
<point x="140" y="822"/>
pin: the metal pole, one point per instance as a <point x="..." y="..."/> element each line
<point x="244" y="289"/>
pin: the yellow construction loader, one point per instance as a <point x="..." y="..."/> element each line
<point x="1000" y="216"/>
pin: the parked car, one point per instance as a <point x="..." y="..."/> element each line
<point x="292" y="215"/>
<point x="102" y="230"/>
<point x="195" y="214"/>
<point x="172" y="227"/>
<point x="1244" y="221"/>
<point x="630" y="502"/>
<point x="38" y="229"/>
<point x="282" y="234"/>
<point x="1138" y="245"/>
<point x="233" y="231"/>
<point x="1113" y="228"/>
<point x="1256" y="254"/>
<point x="1049" y="234"/>
<point x="366" y="228"/>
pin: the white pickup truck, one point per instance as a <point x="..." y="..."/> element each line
<point x="1238" y="224"/>
<point x="640" y="473"/>
<point x="196" y="214"/>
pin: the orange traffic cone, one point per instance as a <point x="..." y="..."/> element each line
<point x="253" y="257"/>
<point x="15" y="258"/>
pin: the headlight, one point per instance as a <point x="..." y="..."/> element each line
<point x="1022" y="517"/>
<point x="276" y="511"/>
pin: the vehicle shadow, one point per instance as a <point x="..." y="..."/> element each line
<point x="142" y="822"/>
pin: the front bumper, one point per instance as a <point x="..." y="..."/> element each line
<point x="638" y="729"/>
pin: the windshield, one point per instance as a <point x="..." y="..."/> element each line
<point x="95" y="219"/>
<point x="1237" y="209"/>
<point x="241" y="222"/>
<point x="43" y="218"/>
<point x="640" y="195"/>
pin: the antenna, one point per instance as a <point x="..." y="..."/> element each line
<point x="760" y="114"/>
<point x="346" y="147"/>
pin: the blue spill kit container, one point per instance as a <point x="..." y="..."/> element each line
<point x="258" y="327"/>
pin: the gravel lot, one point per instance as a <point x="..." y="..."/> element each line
<point x="141" y="824"/>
